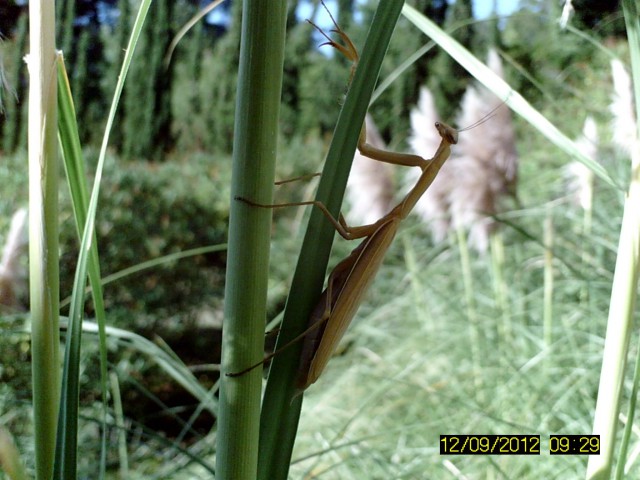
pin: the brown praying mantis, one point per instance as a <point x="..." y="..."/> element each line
<point x="352" y="277"/>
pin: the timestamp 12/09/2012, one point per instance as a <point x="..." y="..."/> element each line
<point x="518" y="444"/>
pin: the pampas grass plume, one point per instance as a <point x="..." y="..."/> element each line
<point x="580" y="177"/>
<point x="623" y="122"/>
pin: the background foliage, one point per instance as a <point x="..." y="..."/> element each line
<point x="172" y="141"/>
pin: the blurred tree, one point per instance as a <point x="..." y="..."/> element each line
<point x="65" y="22"/>
<point x="296" y="61"/>
<point x="345" y="14"/>
<point x="191" y="126"/>
<point x="9" y="14"/>
<point x="221" y="79"/>
<point x="599" y="17"/>
<point x="147" y="107"/>
<point x="391" y="110"/>
<point x="448" y="80"/>
<point x="79" y="37"/>
<point x="13" y="115"/>
<point x="118" y="40"/>
<point x="554" y="59"/>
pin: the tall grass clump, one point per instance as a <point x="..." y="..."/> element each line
<point x="450" y="342"/>
<point x="55" y="398"/>
<point x="623" y="289"/>
<point x="536" y="381"/>
<point x="88" y="263"/>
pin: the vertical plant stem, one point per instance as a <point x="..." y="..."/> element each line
<point x="500" y="289"/>
<point x="254" y="154"/>
<point x="43" y="232"/>
<point x="628" y="428"/>
<point x="624" y="287"/>
<point x="619" y="325"/>
<point x="472" y="313"/>
<point x="547" y="302"/>
<point x="120" y="426"/>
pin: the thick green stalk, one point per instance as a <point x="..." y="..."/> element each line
<point x="254" y="154"/>
<point x="281" y="408"/>
<point x="43" y="232"/>
<point x="624" y="288"/>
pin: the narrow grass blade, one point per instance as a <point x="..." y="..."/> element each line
<point x="76" y="180"/>
<point x="123" y="458"/>
<point x="186" y="27"/>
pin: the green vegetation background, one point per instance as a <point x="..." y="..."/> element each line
<point x="406" y="369"/>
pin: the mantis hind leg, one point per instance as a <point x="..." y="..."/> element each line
<point x="308" y="176"/>
<point x="318" y="320"/>
<point x="345" y="231"/>
<point x="312" y="327"/>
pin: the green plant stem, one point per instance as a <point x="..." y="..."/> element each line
<point x="254" y="154"/>
<point x="472" y="310"/>
<point x="43" y="233"/>
<point x="619" y="325"/>
<point x="500" y="288"/>
<point x="120" y="425"/>
<point x="281" y="406"/>
<point x="547" y="302"/>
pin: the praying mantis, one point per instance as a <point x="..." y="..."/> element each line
<point x="351" y="278"/>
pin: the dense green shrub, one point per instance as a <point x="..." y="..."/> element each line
<point x="150" y="210"/>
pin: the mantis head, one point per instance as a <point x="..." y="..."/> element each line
<point x="447" y="133"/>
